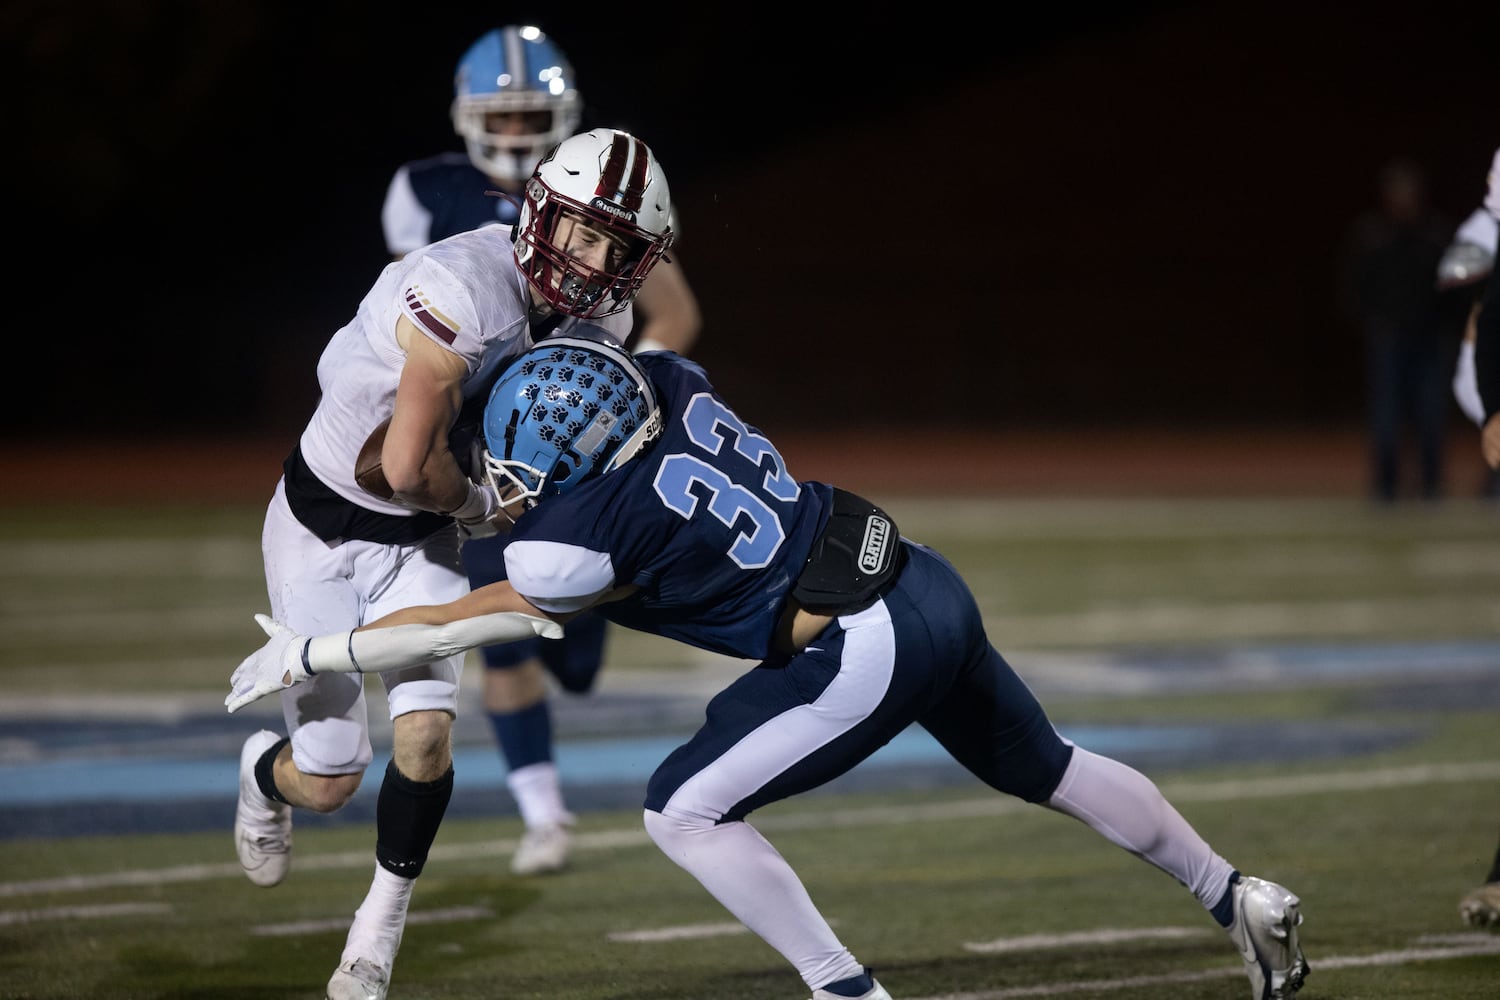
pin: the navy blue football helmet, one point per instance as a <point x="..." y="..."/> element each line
<point x="566" y="411"/>
<point x="514" y="98"/>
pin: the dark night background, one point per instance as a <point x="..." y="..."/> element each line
<point x="955" y="217"/>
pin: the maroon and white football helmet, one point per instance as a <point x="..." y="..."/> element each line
<point x="611" y="181"/>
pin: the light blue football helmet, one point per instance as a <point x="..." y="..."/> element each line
<point x="514" y="98"/>
<point x="566" y="411"/>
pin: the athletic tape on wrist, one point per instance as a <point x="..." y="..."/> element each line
<point x="479" y="505"/>
<point x="349" y="644"/>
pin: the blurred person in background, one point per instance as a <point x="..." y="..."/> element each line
<point x="672" y="515"/>
<point x="1409" y="337"/>
<point x="515" y="96"/>
<point x="1480" y="907"/>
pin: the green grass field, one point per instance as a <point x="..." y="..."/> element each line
<point x="950" y="893"/>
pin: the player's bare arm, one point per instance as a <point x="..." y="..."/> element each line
<point x="672" y="316"/>
<point x="415" y="458"/>
<point x="487" y="600"/>
<point x="1490" y="442"/>
<point x="419" y="634"/>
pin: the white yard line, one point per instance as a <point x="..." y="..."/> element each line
<point x="687" y="932"/>
<point x="1435" y="948"/>
<point x="103" y="910"/>
<point x="1190" y="791"/>
<point x="415" y="918"/>
<point x="1102" y="935"/>
<point x="1481" y="945"/>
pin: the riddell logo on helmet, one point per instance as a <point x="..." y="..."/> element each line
<point x="877" y="543"/>
<point x="610" y="208"/>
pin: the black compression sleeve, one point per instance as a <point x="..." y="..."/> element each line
<point x="407" y="816"/>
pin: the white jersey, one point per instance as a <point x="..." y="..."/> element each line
<point x="1466" y="384"/>
<point x="1492" y="196"/>
<point x="1481" y="228"/>
<point x="467" y="295"/>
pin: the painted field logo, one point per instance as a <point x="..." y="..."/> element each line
<point x="872" y="554"/>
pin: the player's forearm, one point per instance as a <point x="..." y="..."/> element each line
<point x="421" y="470"/>
<point x="290" y="658"/>
<point x="373" y="649"/>
<point x="668" y="334"/>
<point x="1489" y="442"/>
<point x="672" y="317"/>
<point x="490" y="599"/>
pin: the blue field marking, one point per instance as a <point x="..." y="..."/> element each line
<point x="65" y="773"/>
<point x="91" y="794"/>
<point x="583" y="763"/>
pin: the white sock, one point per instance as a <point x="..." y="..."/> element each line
<point x="1126" y="807"/>
<point x="752" y="880"/>
<point x="380" y="920"/>
<point x="538" y="793"/>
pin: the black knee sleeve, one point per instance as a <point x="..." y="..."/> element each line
<point x="265" y="774"/>
<point x="407" y="816"/>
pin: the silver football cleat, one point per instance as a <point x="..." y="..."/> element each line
<point x="1264" y="929"/>
<point x="359" y="979"/>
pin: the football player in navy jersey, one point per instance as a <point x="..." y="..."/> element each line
<point x="515" y="96"/>
<point x="638" y="492"/>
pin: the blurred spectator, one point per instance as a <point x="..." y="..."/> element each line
<point x="1408" y="326"/>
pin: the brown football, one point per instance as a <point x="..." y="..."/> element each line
<point x="367" y="472"/>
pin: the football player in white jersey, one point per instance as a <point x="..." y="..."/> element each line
<point x="1465" y="268"/>
<point x="638" y="492"/>
<point x="515" y="95"/>
<point x="1467" y="264"/>
<point x="1487" y="342"/>
<point x="1480" y="907"/>
<point x="375" y="502"/>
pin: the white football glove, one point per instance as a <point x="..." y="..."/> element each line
<point x="276" y="665"/>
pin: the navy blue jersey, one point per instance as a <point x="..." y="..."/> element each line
<point x="708" y="523"/>
<point x="432" y="199"/>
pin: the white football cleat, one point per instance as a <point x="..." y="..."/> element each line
<point x="876" y="993"/>
<point x="543" y="850"/>
<point x="1264" y="929"/>
<point x="359" y="979"/>
<point x="1481" y="907"/>
<point x="262" y="829"/>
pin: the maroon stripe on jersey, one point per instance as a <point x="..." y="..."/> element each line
<point x="623" y="179"/>
<point x="434" y="326"/>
